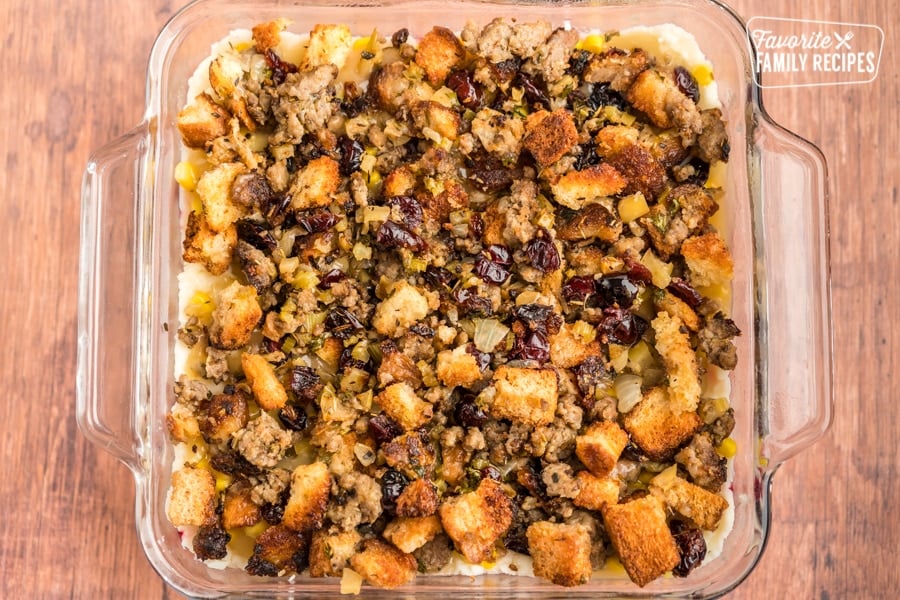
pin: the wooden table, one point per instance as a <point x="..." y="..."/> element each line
<point x="75" y="80"/>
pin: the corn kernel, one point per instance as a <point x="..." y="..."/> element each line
<point x="593" y="43"/>
<point x="633" y="207"/>
<point x="200" y="305"/>
<point x="728" y="448"/>
<point x="186" y="175"/>
<point x="222" y="481"/>
<point x="703" y="74"/>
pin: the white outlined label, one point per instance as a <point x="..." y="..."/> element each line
<point x="800" y="52"/>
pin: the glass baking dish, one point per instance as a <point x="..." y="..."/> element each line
<point x="776" y="223"/>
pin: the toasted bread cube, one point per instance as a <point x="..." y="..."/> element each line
<point x="418" y="499"/>
<point x="412" y="453"/>
<point x="674" y="346"/>
<point x="400" y="402"/>
<point x="568" y="350"/>
<point x="192" y="497"/>
<point x="214" y="189"/>
<point x="329" y="553"/>
<point x="438" y="53"/>
<point x="641" y="537"/>
<point x="384" y="566"/>
<point x="278" y="545"/>
<point x="238" y="509"/>
<point x="203" y="245"/>
<point x="476" y="520"/>
<point x="526" y="396"/>
<point x="596" y="492"/>
<point x="676" y="307"/>
<point x="443" y="120"/>
<point x="691" y="501"/>
<point x="396" y="367"/>
<point x="617" y="67"/>
<point x="576" y="188"/>
<point x="330" y="352"/>
<point x="600" y="446"/>
<point x="402" y="308"/>
<point x="399" y="182"/>
<point x="268" y="35"/>
<point x="267" y="389"/>
<point x="202" y="121"/>
<point x="236" y="314"/>
<point x="411" y="533"/>
<point x="224" y="74"/>
<point x="457" y="367"/>
<point x="328" y="45"/>
<point x="182" y="424"/>
<point x="656" y="94"/>
<point x="548" y="136"/>
<point x="708" y="259"/>
<point x="613" y="139"/>
<point x="227" y="413"/>
<point x="656" y="429"/>
<point x="310" y="488"/>
<point x="561" y="552"/>
<point x="316" y="184"/>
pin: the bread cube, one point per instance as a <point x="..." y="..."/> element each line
<point x="211" y="249"/>
<point x="702" y="507"/>
<point x="402" y="308"/>
<point x="329" y="553"/>
<point x="227" y="413"/>
<point x="418" y="499"/>
<point x="310" y="489"/>
<point x="526" y="396"/>
<point x="236" y="314"/>
<point x="316" y="184"/>
<point x="268" y="35"/>
<point x="613" y="139"/>
<point x="238" y="509"/>
<point x="600" y="446"/>
<point x="382" y="565"/>
<point x="267" y="388"/>
<point x="182" y="424"/>
<point x="435" y="116"/>
<point x="402" y="404"/>
<point x="548" y="136"/>
<point x="674" y="346"/>
<point x="561" y="552"/>
<point x="641" y="537"/>
<point x="656" y="94"/>
<point x="202" y="121"/>
<point x="411" y="533"/>
<point x="674" y="306"/>
<point x="476" y="520"/>
<point x="657" y="430"/>
<point x="439" y="52"/>
<point x="328" y="45"/>
<point x="596" y="492"/>
<point x="708" y="259"/>
<point x="214" y="190"/>
<point x="568" y="350"/>
<point x="192" y="497"/>
<point x="399" y="182"/>
<point x="457" y="367"/>
<point x="576" y="188"/>
<point x="278" y="545"/>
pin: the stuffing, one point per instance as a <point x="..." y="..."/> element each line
<point x="192" y="497"/>
<point x="457" y="367"/>
<point x="656" y="94"/>
<point x="617" y="67"/>
<point x="475" y="521"/>
<point x="236" y="314"/>
<point x="705" y="466"/>
<point x="699" y="506"/>
<point x="411" y="533"/>
<point x="577" y="188"/>
<point x="214" y="190"/>
<point x="316" y="184"/>
<point x="429" y="115"/>
<point x="402" y="308"/>
<point x="561" y="552"/>
<point x="399" y="182"/>
<point x="210" y="248"/>
<point x="641" y="537"/>
<point x="439" y="52"/>
<point x="568" y="350"/>
<point x="526" y="396"/>
<point x="202" y="121"/>
<point x="419" y="499"/>
<point x="277" y="548"/>
<point x="548" y="136"/>
<point x="310" y="488"/>
<point x="656" y="429"/>
<point x="600" y="446"/>
<point x="328" y="45"/>
<point x="397" y="367"/>
<point x="268" y="35"/>
<point x="181" y="424"/>
<point x="227" y="414"/>
<point x="596" y="492"/>
<point x="592" y="221"/>
<point x="263" y="441"/>
<point x="267" y="389"/>
<point x="238" y="509"/>
<point x="675" y="307"/>
<point x="683" y="212"/>
<point x="708" y="259"/>
<point x="400" y="402"/>
<point x="551" y="58"/>
<point x="499" y="134"/>
<point x="383" y="565"/>
<point x="330" y="553"/>
<point x="674" y="346"/>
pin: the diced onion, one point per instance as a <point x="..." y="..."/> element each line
<point x="489" y="333"/>
<point x="628" y="391"/>
<point x="364" y="454"/>
<point x="351" y="582"/>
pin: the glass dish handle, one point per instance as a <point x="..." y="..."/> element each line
<point x="794" y="293"/>
<point x="108" y="295"/>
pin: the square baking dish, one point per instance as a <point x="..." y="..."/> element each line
<point x="776" y="225"/>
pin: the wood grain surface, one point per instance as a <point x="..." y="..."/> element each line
<point x="75" y="81"/>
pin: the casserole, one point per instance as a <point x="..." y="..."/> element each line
<point x="780" y="390"/>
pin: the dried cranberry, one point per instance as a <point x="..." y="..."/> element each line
<point x="330" y="278"/>
<point x="534" y="89"/>
<point x="256" y="234"/>
<point x="638" y="272"/>
<point x="342" y="323"/>
<point x="272" y="513"/>
<point x="410" y="209"/>
<point x="422" y="330"/>
<point x="293" y="417"/>
<point x="317" y="220"/>
<point x="399" y="38"/>
<point x="504" y="71"/>
<point x="588" y="156"/>
<point x="542" y="253"/>
<point x="272" y="345"/>
<point x="210" y="542"/>
<point x="701" y="170"/>
<point x="684" y="290"/>
<point x="490" y="271"/>
<point x="280" y="68"/>
<point x="394" y="235"/>
<point x="383" y="429"/>
<point x="392" y="485"/>
<point x="491" y="180"/>
<point x="470" y="302"/>
<point x="491" y="472"/>
<point x="578" y="62"/>
<point x="691" y="547"/>
<point x="616" y="290"/>
<point x="305" y="383"/>
<point x="476" y="227"/>
<point x="578" y="288"/>
<point x="351" y="155"/>
<point x="620" y="326"/>
<point x="602" y="95"/>
<point x="469" y="93"/>
<point x="538" y="317"/>
<point x="532" y="345"/>
<point x="483" y="359"/>
<point x="355" y="102"/>
<point x="232" y="463"/>
<point x="261" y="567"/>
<point x="277" y="209"/>
<point x="687" y="84"/>
<point x="438" y="277"/>
<point x="590" y="374"/>
<point x="346" y="361"/>
<point x="468" y="414"/>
